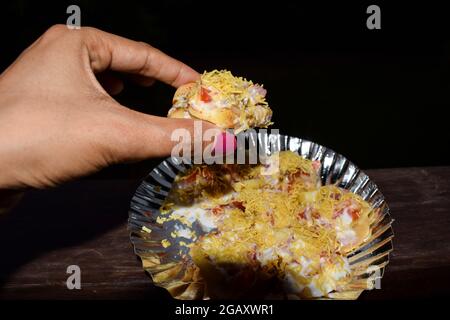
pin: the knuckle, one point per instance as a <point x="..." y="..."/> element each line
<point x="120" y="137"/>
<point x="56" y="28"/>
<point x="55" y="31"/>
<point x="60" y="31"/>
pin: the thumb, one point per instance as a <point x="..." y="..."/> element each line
<point x="145" y="136"/>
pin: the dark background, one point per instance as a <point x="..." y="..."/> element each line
<point x="377" y="96"/>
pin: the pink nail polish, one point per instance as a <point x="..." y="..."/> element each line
<point x="225" y="143"/>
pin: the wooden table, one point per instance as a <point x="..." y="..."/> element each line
<point x="84" y="224"/>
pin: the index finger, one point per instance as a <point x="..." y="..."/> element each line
<point x="108" y="51"/>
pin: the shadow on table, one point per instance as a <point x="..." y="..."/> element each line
<point x="47" y="220"/>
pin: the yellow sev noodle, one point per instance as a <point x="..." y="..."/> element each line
<point x="235" y="92"/>
<point x="229" y="86"/>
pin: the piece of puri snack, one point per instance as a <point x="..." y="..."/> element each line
<point x="227" y="101"/>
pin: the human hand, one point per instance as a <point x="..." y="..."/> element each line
<point x="59" y="123"/>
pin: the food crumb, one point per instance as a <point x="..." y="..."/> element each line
<point x="165" y="243"/>
<point x="145" y="229"/>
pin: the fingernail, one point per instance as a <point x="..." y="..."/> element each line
<point x="225" y="143"/>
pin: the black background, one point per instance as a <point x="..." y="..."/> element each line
<point x="377" y="96"/>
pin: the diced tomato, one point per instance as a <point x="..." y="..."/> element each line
<point x="301" y="215"/>
<point x="217" y="210"/>
<point x="295" y="175"/>
<point x="192" y="177"/>
<point x="204" y="95"/>
<point x="335" y="196"/>
<point x="355" y="214"/>
<point x="199" y="175"/>
<point x="207" y="174"/>
<point x="239" y="205"/>
<point x="315" y="215"/>
<point x="316" y="165"/>
<point x="338" y="213"/>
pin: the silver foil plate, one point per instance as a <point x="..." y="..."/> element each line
<point x="166" y="266"/>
